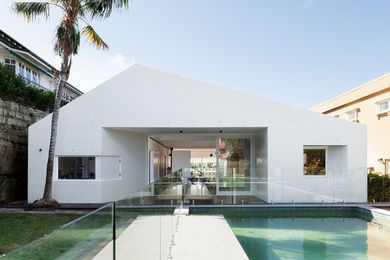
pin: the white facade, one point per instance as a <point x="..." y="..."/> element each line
<point x="114" y="121"/>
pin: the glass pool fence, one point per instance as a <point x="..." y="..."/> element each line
<point x="152" y="214"/>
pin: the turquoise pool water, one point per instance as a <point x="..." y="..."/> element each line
<point x="311" y="237"/>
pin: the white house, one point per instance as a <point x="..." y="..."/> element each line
<point x="143" y="123"/>
<point x="31" y="68"/>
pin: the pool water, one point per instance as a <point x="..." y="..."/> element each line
<point x="311" y="238"/>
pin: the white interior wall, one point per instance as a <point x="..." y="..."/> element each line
<point x="181" y="159"/>
<point x="260" y="165"/>
<point x="163" y="152"/>
<point x="203" y="153"/>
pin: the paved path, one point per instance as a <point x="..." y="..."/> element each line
<point x="143" y="239"/>
<point x="198" y="237"/>
<point x="206" y="238"/>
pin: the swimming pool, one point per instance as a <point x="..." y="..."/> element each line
<point x="307" y="233"/>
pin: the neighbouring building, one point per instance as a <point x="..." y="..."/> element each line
<point x="139" y="125"/>
<point x="32" y="68"/>
<point x="368" y="104"/>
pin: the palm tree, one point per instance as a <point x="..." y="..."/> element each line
<point x="67" y="43"/>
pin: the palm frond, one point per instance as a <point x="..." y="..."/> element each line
<point x="31" y="10"/>
<point x="104" y="8"/>
<point x="93" y="37"/>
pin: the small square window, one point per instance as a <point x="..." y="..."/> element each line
<point x="382" y="106"/>
<point x="314" y="161"/>
<point x="352" y="115"/>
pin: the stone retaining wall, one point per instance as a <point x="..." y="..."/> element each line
<point x="14" y="121"/>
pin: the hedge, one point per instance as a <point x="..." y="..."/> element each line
<point x="378" y="187"/>
<point x="14" y="88"/>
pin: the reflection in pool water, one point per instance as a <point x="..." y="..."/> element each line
<point x="311" y="238"/>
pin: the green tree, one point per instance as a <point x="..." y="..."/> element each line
<point x="67" y="42"/>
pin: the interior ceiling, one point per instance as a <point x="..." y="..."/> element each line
<point x="187" y="141"/>
<point x="190" y="138"/>
<point x="197" y="130"/>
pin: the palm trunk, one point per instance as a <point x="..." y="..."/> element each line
<point x="48" y="194"/>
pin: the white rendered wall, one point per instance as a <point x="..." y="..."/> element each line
<point x="132" y="148"/>
<point x="125" y="101"/>
<point x="285" y="159"/>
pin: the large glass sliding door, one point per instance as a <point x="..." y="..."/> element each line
<point x="234" y="164"/>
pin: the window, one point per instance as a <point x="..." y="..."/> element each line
<point x="10" y="64"/>
<point x="234" y="164"/>
<point x="314" y="161"/>
<point x="352" y="115"/>
<point x="21" y="70"/>
<point x="28" y="73"/>
<point x="35" y="77"/>
<point x="76" y="168"/>
<point x="382" y="106"/>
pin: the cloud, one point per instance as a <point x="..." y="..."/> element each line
<point x="120" y="62"/>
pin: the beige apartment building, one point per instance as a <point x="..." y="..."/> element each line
<point x="368" y="104"/>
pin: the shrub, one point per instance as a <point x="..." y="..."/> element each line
<point x="14" y="88"/>
<point x="378" y="187"/>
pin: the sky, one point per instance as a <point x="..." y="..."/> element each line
<point x="300" y="52"/>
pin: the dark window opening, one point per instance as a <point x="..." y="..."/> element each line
<point x="76" y="168"/>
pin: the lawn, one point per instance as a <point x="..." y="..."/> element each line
<point x="82" y="239"/>
<point x="20" y="228"/>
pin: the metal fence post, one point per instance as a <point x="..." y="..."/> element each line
<point x="113" y="231"/>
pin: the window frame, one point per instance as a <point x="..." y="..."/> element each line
<point x="315" y="147"/>
<point x="21" y="70"/>
<point x="10" y="62"/>
<point x="355" y="112"/>
<point x="379" y="103"/>
<point x="57" y="169"/>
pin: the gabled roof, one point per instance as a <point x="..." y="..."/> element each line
<point x="144" y="97"/>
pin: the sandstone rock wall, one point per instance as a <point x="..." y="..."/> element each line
<point x="14" y="121"/>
